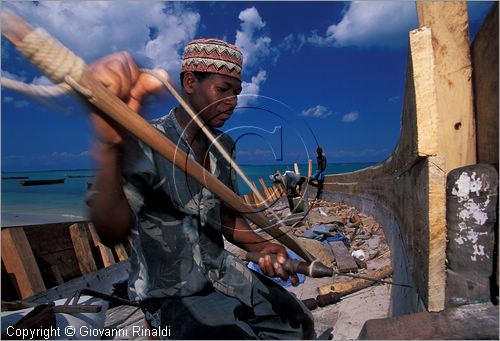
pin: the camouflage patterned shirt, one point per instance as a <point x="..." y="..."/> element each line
<point x="177" y="244"/>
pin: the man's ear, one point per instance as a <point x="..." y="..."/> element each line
<point x="189" y="82"/>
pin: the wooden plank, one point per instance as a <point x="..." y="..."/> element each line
<point x="105" y="252"/>
<point x="20" y="262"/>
<point x="54" y="270"/>
<point x="476" y="322"/>
<point x="255" y="197"/>
<point x="272" y="191"/>
<point x="121" y="252"/>
<point x="246" y="197"/>
<point x="276" y="191"/>
<point x="448" y="22"/>
<point x="345" y="262"/>
<point x="267" y="195"/>
<point x="83" y="251"/>
<point x="53" y="246"/>
<point x="485" y="81"/>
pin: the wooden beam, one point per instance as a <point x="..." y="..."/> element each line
<point x="309" y="168"/>
<point x="449" y="25"/>
<point x="104" y="251"/>
<point x="476" y="322"/>
<point x="83" y="251"/>
<point x="485" y="81"/>
<point x="20" y="262"/>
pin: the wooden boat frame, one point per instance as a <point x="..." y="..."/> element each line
<point x="439" y="132"/>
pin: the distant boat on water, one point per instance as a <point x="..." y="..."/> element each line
<point x="41" y="182"/>
<point x="14" y="177"/>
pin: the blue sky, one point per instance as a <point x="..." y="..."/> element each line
<point x="327" y="73"/>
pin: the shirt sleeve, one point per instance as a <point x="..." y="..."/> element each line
<point x="138" y="172"/>
<point x="228" y="174"/>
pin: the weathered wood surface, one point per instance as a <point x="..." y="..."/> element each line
<point x="82" y="248"/>
<point x="485" y="80"/>
<point x="102" y="280"/>
<point x="52" y="245"/>
<point x="345" y="262"/>
<point x="449" y="25"/>
<point x="478" y="321"/>
<point x="472" y="197"/>
<point x="437" y="135"/>
<point x="20" y="262"/>
<point x="123" y="319"/>
<point x="105" y="252"/>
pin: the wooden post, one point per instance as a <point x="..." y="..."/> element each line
<point x="310" y="169"/>
<point x="485" y="77"/>
<point x="20" y="262"/>
<point x="81" y="244"/>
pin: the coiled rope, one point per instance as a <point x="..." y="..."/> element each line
<point x="56" y="61"/>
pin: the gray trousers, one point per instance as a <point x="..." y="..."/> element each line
<point x="274" y="314"/>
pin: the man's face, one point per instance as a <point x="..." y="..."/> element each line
<point x="215" y="98"/>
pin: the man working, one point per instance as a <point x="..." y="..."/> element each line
<point x="293" y="185"/>
<point x="180" y="272"/>
<point x="319" y="176"/>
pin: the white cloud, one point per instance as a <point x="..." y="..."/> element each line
<point x="318" y="111"/>
<point x="371" y="23"/>
<point x="10" y="75"/>
<point x="95" y="28"/>
<point x="350" y="117"/>
<point x="251" y="46"/>
<point x="42" y="80"/>
<point x="250" y="91"/>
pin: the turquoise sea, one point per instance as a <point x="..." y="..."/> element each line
<point x="26" y="205"/>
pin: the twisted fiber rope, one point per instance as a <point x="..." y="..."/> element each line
<point x="57" y="62"/>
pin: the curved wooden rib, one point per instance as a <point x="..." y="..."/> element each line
<point x="410" y="185"/>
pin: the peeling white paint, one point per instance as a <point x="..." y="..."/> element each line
<point x="473" y="210"/>
<point x="465" y="185"/>
<point x="478" y="251"/>
<point x="471" y="214"/>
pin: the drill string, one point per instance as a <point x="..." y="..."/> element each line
<point x="371" y="279"/>
<point x="60" y="65"/>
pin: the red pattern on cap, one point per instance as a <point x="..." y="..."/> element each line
<point x="212" y="55"/>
